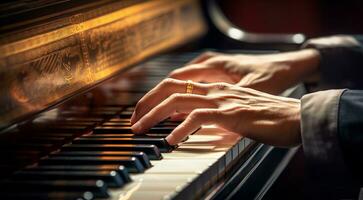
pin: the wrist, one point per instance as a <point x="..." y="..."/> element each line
<point x="297" y="66"/>
<point x="290" y="127"/>
<point x="305" y="64"/>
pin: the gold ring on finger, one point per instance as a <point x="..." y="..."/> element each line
<point x="189" y="87"/>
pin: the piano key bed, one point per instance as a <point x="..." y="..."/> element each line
<point x="78" y="152"/>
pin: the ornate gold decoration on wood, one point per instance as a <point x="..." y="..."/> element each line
<point x="40" y="68"/>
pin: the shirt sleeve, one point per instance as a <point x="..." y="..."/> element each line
<point x="319" y="128"/>
<point x="341" y="64"/>
<point x="332" y="120"/>
<point x="332" y="138"/>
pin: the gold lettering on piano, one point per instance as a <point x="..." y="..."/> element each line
<point x="42" y="69"/>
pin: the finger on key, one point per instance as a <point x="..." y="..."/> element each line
<point x="176" y="103"/>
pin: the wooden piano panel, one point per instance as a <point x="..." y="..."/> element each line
<point x="59" y="56"/>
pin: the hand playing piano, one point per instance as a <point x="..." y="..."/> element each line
<point x="271" y="73"/>
<point x="263" y="117"/>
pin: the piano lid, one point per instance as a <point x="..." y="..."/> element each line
<point x="50" y="50"/>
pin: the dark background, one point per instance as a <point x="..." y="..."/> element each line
<point x="311" y="17"/>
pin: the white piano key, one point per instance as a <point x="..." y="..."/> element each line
<point x="235" y="151"/>
<point x="180" y="166"/>
<point x="153" y="187"/>
<point x="197" y="162"/>
<point x="180" y="154"/>
<point x="144" y="195"/>
<point x="241" y="145"/>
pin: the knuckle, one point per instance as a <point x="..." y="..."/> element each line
<point x="176" y="97"/>
<point x="167" y="82"/>
<point x="197" y="113"/>
<point x="202" y="114"/>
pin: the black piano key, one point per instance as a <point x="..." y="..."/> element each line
<point x="42" y="140"/>
<point x="159" y="142"/>
<point x="85" y="119"/>
<point x="69" y="128"/>
<point x="130" y="108"/>
<point x="28" y="147"/>
<point x="49" y="134"/>
<point x="49" y="139"/>
<point x="90" y="113"/>
<point x="119" y="120"/>
<point x="18" y="158"/>
<point x="48" y="195"/>
<point x="47" y="124"/>
<point x="169" y="123"/>
<point x="127" y="124"/>
<point x="120" y="169"/>
<point x="103" y="113"/>
<point x="97" y="187"/>
<point x="140" y="155"/>
<point x="76" y="129"/>
<point x="165" y="126"/>
<point x="9" y="153"/>
<point x="76" y="123"/>
<point x="112" y="129"/>
<point x="125" y="114"/>
<point x="151" y="150"/>
<point x="18" y="161"/>
<point x="127" y="135"/>
<point x="161" y="130"/>
<point x="153" y="135"/>
<point x="107" y="108"/>
<point x="131" y="163"/>
<point x="121" y="129"/>
<point x="111" y="178"/>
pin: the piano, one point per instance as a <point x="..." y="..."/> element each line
<point x="71" y="73"/>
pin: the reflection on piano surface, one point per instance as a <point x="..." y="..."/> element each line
<point x="67" y="93"/>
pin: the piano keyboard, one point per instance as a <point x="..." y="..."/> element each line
<point x="77" y="152"/>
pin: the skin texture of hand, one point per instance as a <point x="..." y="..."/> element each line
<point x="263" y="117"/>
<point x="271" y="73"/>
